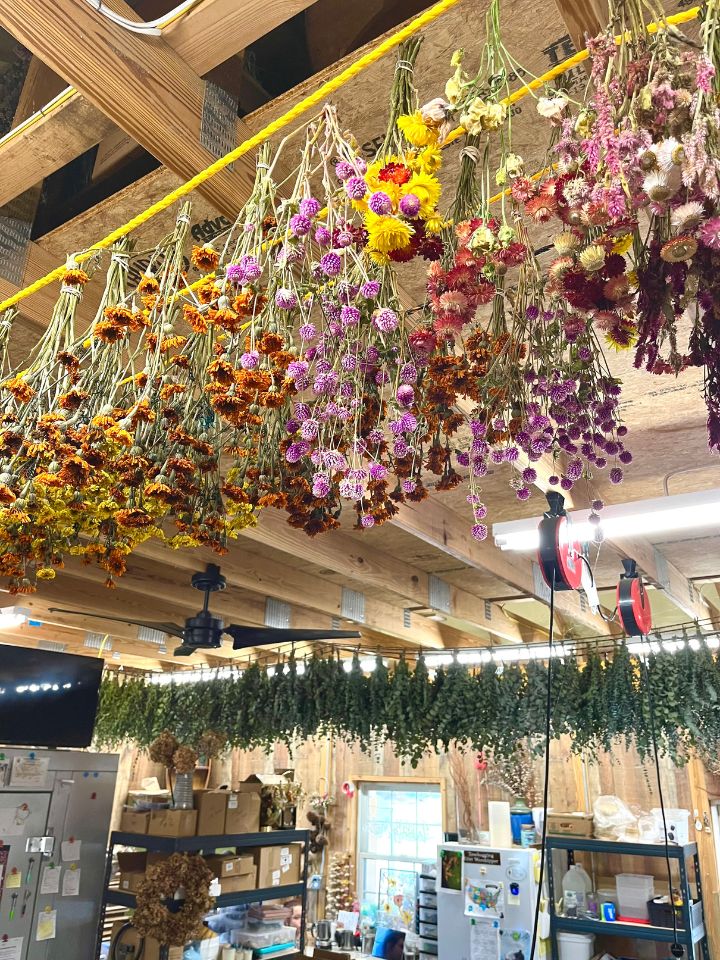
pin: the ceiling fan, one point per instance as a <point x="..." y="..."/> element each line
<point x="204" y="631"/>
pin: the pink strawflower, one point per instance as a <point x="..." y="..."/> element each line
<point x="710" y="233"/>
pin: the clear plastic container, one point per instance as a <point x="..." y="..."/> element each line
<point x="576" y="887"/>
<point x="427" y="884"/>
<point x="268" y="938"/>
<point x="428" y="929"/>
<point x="428" y="898"/>
<point x="634" y="890"/>
<point x="428" y="914"/>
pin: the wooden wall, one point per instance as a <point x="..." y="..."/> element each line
<point x="324" y="764"/>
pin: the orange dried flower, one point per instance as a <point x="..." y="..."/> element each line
<point x="74" y="471"/>
<point x="148" y="286"/>
<point x="196" y="320"/>
<point x="20" y="390"/>
<point x="109" y="331"/>
<point x="75" y="278"/>
<point x="205" y="258"/>
<point x="73" y="399"/>
<point x="270" y="342"/>
<point x="133" y="517"/>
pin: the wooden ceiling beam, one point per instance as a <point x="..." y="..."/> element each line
<point x="116" y="653"/>
<point x="273" y="578"/>
<point x="139" y="82"/>
<point x="134" y="82"/>
<point x="583" y="18"/>
<point x="442" y="528"/>
<point x="371" y="568"/>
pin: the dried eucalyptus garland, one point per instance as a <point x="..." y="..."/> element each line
<point x="599" y="700"/>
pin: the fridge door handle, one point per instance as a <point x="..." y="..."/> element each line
<point x="68" y="782"/>
<point x="43" y="845"/>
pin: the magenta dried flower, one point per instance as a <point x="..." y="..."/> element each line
<point x="529" y="475"/>
<point x="385" y="320"/>
<point x="330" y="264"/>
<point x="479" y="531"/>
<point x="235" y="273"/>
<point x="323" y="236"/>
<point x="343" y="238"/>
<point x="350" y="316"/>
<point x="286" y="299"/>
<point x="378" y="471"/>
<point x="370" y="289"/>
<point x="523" y="493"/>
<point x="309" y="207"/>
<point x="299" y="225"/>
<point x="616" y="475"/>
<point x="410" y="205"/>
<point x="367" y="521"/>
<point x="321" y="485"/>
<point x="307" y="331"/>
<point x="355" y="188"/>
<point x="344" y="170"/>
<point x="380" y="203"/>
<point x="409" y="486"/>
<point x="250" y="360"/>
<point x="408" y="373"/>
<point x="405" y="395"/>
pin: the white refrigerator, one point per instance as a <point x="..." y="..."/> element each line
<point x="486" y="901"/>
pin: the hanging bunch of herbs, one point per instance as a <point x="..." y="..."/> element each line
<point x="598" y="700"/>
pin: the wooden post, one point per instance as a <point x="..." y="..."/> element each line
<point x="707" y="851"/>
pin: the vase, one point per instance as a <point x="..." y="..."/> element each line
<point x="183" y="791"/>
<point x="520" y="813"/>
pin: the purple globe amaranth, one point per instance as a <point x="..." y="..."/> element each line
<point x="370" y="289"/>
<point x="355" y="188"/>
<point x="405" y="395"/>
<point x="330" y="264"/>
<point x="309" y="207"/>
<point x="410" y="205"/>
<point x="350" y="316"/>
<point x="385" y="320"/>
<point x="380" y="203"/>
<point x="286" y="299"/>
<point x="250" y="360"/>
<point x="616" y="475"/>
<point x="344" y="170"/>
<point x="300" y="225"/>
<point x="323" y="236"/>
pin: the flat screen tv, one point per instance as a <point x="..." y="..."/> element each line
<point x="47" y="699"/>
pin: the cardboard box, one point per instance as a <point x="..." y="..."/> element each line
<point x="211" y="806"/>
<point x="278" y="866"/>
<point x="243" y="809"/>
<point x="133" y="822"/>
<point x="570" y="824"/>
<point x="132" y="861"/>
<point x="130" y="882"/>
<point x="231" y="866"/>
<point x="237" y="884"/>
<point x="128" y="937"/>
<point x="173" y="823"/>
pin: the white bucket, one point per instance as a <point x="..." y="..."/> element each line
<point x="575" y="946"/>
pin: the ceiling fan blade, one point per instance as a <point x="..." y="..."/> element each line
<point x="185" y="650"/>
<point x="264" y="636"/>
<point x="173" y="629"/>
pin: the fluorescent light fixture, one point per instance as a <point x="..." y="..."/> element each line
<point x="435" y="660"/>
<point x="685" y="511"/>
<point x="11" y="617"/>
<point x="473" y="658"/>
<point x="713" y="642"/>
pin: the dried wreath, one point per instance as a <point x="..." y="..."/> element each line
<point x="153" y="917"/>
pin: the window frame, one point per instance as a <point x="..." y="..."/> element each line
<point x="390" y="782"/>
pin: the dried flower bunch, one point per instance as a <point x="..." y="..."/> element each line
<point x="290" y="374"/>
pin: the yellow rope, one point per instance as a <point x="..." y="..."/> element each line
<point x="323" y="91"/>
<point x="568" y="64"/>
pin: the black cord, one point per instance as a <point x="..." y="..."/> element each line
<point x="651" y="713"/>
<point x="546" y="788"/>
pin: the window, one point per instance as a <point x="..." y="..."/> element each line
<point x="399" y="827"/>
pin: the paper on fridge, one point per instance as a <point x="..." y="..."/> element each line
<point x="485" y="939"/>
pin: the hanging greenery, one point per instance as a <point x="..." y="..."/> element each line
<point x="600" y="701"/>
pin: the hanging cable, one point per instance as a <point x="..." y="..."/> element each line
<point x="546" y="786"/>
<point x="677" y="950"/>
<point x="152" y="28"/>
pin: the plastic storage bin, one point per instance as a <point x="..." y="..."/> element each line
<point x="428" y="914"/>
<point x="634" y="890"/>
<point x="677" y="822"/>
<point x="428" y="898"/>
<point x="575" y="946"/>
<point x="428" y="930"/>
<point x="427" y="884"/>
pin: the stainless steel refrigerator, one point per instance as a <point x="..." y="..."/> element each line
<point x="486" y="900"/>
<point x="55" y="809"/>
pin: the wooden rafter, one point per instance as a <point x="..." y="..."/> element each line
<point x="583" y="18"/>
<point x="133" y="82"/>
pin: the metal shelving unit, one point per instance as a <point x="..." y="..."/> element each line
<point x="209" y="844"/>
<point x="691" y="932"/>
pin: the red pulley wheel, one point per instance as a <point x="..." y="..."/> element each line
<point x="633" y="602"/>
<point x="559" y="553"/>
